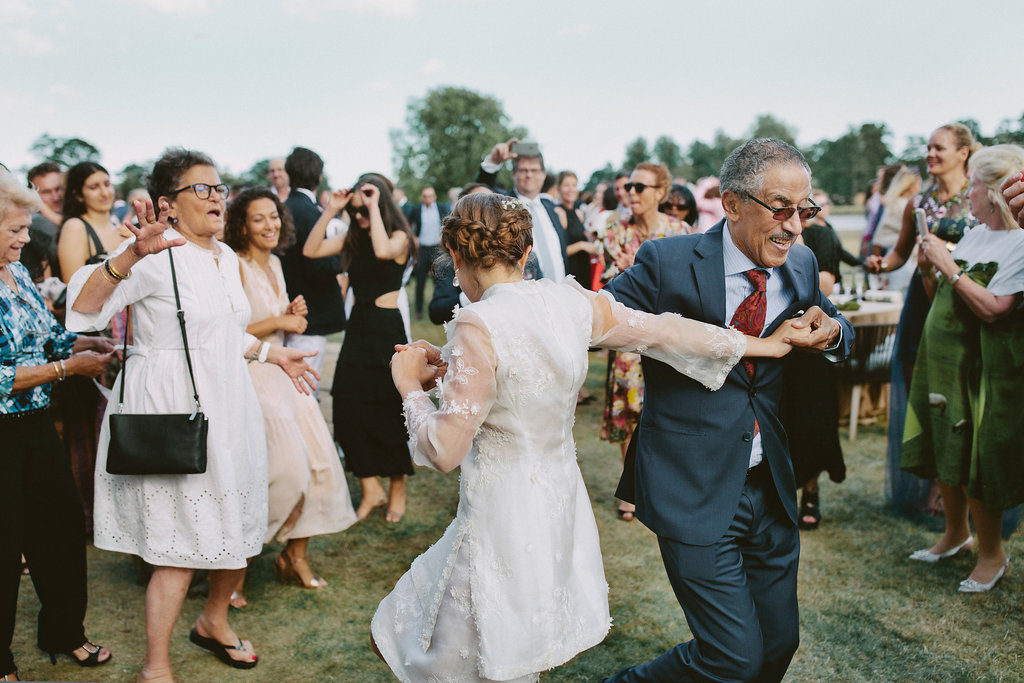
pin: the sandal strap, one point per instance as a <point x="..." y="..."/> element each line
<point x="96" y="648"/>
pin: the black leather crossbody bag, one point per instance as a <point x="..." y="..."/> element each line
<point x="159" y="444"/>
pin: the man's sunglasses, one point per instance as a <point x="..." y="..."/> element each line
<point x="784" y="213"/>
<point x="639" y="187"/>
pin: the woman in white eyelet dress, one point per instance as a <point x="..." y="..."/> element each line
<point x="516" y="585"/>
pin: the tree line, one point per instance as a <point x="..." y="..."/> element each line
<point x="449" y="130"/>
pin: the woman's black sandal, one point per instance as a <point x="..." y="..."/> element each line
<point x="220" y="651"/>
<point x="809" y="508"/>
<point x="93" y="658"/>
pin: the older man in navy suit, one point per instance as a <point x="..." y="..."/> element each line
<point x="712" y="475"/>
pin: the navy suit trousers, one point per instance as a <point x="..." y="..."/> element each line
<point x="738" y="595"/>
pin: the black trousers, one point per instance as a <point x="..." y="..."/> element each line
<point x="40" y="516"/>
<point x="424" y="264"/>
<point x="738" y="595"/>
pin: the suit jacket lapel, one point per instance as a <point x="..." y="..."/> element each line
<point x="709" y="274"/>
<point x="796" y="274"/>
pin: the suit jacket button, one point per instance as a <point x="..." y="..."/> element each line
<point x="748" y="437"/>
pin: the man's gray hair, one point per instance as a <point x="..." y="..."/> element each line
<point x="744" y="169"/>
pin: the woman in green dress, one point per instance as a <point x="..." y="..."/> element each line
<point x="965" y="420"/>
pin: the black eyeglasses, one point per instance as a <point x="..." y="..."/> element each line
<point x="203" y="190"/>
<point x="784" y="213"/>
<point x="639" y="187"/>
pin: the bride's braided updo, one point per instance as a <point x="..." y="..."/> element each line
<point x="486" y="230"/>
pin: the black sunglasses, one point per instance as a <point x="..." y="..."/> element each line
<point x="682" y="206"/>
<point x="784" y="213"/>
<point x="639" y="187"/>
<point x="203" y="190"/>
<point x="358" y="211"/>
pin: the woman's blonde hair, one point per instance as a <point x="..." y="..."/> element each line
<point x="660" y="172"/>
<point x="13" y="193"/>
<point x="963" y="137"/>
<point x="993" y="165"/>
<point x="901" y="185"/>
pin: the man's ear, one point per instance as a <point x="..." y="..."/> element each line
<point x="731" y="203"/>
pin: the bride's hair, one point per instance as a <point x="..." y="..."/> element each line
<point x="488" y="229"/>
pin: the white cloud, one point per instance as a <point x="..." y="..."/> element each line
<point x="180" y="7"/>
<point x="63" y="91"/>
<point x="393" y="9"/>
<point x="16" y="9"/>
<point x="380" y="86"/>
<point x="431" y="67"/>
<point x="576" y="30"/>
<point x="24" y="42"/>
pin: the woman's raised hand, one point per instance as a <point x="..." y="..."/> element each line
<point x="371" y="195"/>
<point x="339" y="200"/>
<point x="292" y="361"/>
<point x="149" y="236"/>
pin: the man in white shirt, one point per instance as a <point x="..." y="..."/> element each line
<point x="425" y="221"/>
<point x="279" y="181"/>
<point x="549" y="239"/>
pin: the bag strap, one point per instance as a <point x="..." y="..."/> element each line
<point x="184" y="341"/>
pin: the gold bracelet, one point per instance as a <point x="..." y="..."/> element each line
<point x="108" y="277"/>
<point x="56" y="371"/>
<point x="113" y="271"/>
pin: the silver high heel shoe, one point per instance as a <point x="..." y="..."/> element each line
<point x="971" y="586"/>
<point x="926" y="555"/>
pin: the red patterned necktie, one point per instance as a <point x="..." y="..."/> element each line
<point x="749" y="317"/>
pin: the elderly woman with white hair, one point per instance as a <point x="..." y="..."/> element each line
<point x="40" y="512"/>
<point x="965" y="421"/>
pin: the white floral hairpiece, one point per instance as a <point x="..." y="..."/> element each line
<point x="509" y="204"/>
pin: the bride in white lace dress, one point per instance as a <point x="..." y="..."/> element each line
<point x="516" y="585"/>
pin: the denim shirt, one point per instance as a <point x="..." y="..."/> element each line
<point x="29" y="336"/>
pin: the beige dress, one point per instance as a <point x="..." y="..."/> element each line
<point x="308" y="493"/>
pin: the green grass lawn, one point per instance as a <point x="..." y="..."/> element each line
<point x="867" y="612"/>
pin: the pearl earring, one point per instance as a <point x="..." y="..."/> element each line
<point x="455" y="280"/>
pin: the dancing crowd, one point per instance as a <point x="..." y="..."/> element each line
<point x="188" y="297"/>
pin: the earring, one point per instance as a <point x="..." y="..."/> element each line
<point x="455" y="280"/>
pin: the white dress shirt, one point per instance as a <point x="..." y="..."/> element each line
<point x="430" y="225"/>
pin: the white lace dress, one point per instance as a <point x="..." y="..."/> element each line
<point x="516" y="585"/>
<point x="213" y="520"/>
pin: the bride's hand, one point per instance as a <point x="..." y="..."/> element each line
<point x="786" y="331"/>
<point x="410" y="370"/>
<point x="433" y="358"/>
<point x="149" y="236"/>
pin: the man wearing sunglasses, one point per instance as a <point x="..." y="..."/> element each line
<point x="712" y="475"/>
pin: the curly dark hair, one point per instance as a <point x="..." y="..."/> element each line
<point x="392" y="216"/>
<point x="74" y="205"/>
<point x="168" y="170"/>
<point x="485" y="233"/>
<point x="235" y="235"/>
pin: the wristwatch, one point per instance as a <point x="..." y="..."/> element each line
<point x="959" y="274"/>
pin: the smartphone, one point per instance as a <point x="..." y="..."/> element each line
<point x="922" y="223"/>
<point x="525" y="149"/>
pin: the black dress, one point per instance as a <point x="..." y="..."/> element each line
<point x="809" y="407"/>
<point x="368" y="421"/>
<point x="577" y="265"/>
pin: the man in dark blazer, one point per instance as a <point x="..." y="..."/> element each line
<point x="316" y="279"/>
<point x="549" y="238"/>
<point x="712" y="475"/>
<point x="425" y="222"/>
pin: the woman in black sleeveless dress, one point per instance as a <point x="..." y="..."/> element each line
<point x="578" y="247"/>
<point x="368" y="421"/>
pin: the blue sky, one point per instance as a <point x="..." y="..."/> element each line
<point x="243" y="80"/>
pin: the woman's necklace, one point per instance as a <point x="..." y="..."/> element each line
<point x="940" y="208"/>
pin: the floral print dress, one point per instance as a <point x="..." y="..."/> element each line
<point x="624" y="383"/>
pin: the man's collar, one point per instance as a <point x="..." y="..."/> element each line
<point x="308" y="193"/>
<point x="524" y="198"/>
<point x="735" y="260"/>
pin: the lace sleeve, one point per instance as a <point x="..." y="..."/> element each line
<point x="703" y="352"/>
<point x="441" y="437"/>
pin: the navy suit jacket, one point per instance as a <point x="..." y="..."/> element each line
<point x="693" y="445"/>
<point x="313" y="278"/>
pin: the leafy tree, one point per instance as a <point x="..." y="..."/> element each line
<point x="636" y="152"/>
<point x="706" y="159"/>
<point x="1010" y="131"/>
<point x="64" y="151"/>
<point x="132" y="176"/>
<point x="767" y="126"/>
<point x="913" y="154"/>
<point x="975" y="128"/>
<point x="844" y="166"/>
<point x="667" y="151"/>
<point x="258" y="173"/>
<point x="447" y="134"/>
<point x="605" y="174"/>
